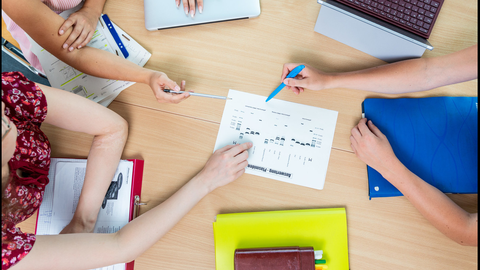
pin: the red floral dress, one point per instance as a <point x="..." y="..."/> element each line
<point x="26" y="106"/>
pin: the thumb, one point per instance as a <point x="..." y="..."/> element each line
<point x="170" y="84"/>
<point x="295" y="82"/>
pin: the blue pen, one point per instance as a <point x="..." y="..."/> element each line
<point x="292" y="74"/>
<point x="115" y="35"/>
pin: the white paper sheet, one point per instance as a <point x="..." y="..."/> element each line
<point x="291" y="142"/>
<point x="63" y="191"/>
<point x="62" y="76"/>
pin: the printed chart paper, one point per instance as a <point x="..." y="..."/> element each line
<point x="291" y="142"/>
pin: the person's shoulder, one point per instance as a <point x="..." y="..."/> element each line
<point x="24" y="100"/>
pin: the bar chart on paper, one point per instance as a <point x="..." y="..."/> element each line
<point x="291" y="142"/>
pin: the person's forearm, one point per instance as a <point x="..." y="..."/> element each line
<point x="141" y="233"/>
<point x="102" y="163"/>
<point x="104" y="64"/>
<point x="411" y="75"/>
<point x="435" y="206"/>
<point x="400" y="77"/>
<point x="96" y="5"/>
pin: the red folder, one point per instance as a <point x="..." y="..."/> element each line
<point x="137" y="178"/>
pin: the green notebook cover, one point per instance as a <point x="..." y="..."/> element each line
<point x="322" y="229"/>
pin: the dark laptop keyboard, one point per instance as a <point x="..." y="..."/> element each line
<point x="416" y="16"/>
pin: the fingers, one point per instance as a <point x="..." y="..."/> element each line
<point x="73" y="36"/>
<point x="356" y="133"/>
<point x="185" y="6"/>
<point x="66" y="24"/>
<point x="287" y="68"/>
<point x="362" y="127"/>
<point x="87" y="40"/>
<point x="241" y="169"/>
<point x="81" y="39"/>
<point x="234" y="151"/>
<point x="374" y="129"/>
<point x="299" y="83"/>
<point x="177" y="98"/>
<point x="200" y="6"/>
<point x="177" y="2"/>
<point x="171" y="84"/>
<point x="226" y="148"/>
<point x="191" y="4"/>
<point x="353" y="144"/>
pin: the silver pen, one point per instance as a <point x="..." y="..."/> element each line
<point x="195" y="94"/>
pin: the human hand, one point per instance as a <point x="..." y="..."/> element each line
<point x="189" y="6"/>
<point x="160" y="81"/>
<point x="77" y="226"/>
<point x="225" y="165"/>
<point x="309" y="78"/>
<point x="84" y="23"/>
<point x="372" y="147"/>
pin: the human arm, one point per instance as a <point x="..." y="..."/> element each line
<point x="373" y="148"/>
<point x="86" y="251"/>
<point x="400" y="77"/>
<point x="110" y="132"/>
<point x="84" y="23"/>
<point x="189" y="6"/>
<point x="42" y="24"/>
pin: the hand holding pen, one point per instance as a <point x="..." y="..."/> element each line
<point x="309" y="78"/>
<point x="159" y="82"/>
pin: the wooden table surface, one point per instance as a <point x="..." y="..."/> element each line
<point x="176" y="140"/>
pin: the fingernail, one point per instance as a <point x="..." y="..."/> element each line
<point x="200" y="9"/>
<point x="186" y="11"/>
<point x="177" y="88"/>
<point x="187" y="94"/>
<point x="71" y="49"/>
<point x="285" y="81"/>
<point x="178" y="3"/>
<point x="61" y="32"/>
<point x="79" y="46"/>
<point x="65" y="45"/>
<point x="192" y="14"/>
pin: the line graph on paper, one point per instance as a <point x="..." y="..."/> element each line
<point x="291" y="142"/>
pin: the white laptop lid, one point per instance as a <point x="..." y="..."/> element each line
<point x="162" y="14"/>
<point x="367" y="33"/>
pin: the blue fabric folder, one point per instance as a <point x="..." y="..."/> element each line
<point x="436" y="138"/>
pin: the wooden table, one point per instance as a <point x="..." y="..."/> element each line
<point x="176" y="140"/>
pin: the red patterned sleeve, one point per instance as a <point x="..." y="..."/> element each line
<point x="15" y="245"/>
<point x="24" y="100"/>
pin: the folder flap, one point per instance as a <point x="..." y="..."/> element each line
<point x="137" y="177"/>
<point x="436" y="138"/>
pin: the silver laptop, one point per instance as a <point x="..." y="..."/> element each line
<point x="367" y="33"/>
<point x="163" y="14"/>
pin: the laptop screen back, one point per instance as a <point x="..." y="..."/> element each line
<point x="162" y="14"/>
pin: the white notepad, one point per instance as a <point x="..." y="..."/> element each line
<point x="63" y="192"/>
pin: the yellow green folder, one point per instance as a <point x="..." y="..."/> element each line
<point x="322" y="229"/>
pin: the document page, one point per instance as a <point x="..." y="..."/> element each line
<point x="291" y="142"/>
<point x="63" y="192"/>
<point x="62" y="76"/>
